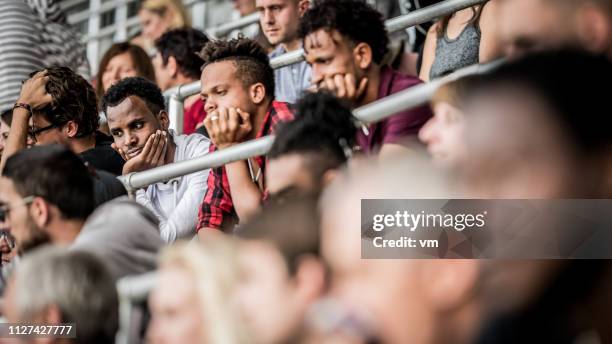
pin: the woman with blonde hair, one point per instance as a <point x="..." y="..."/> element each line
<point x="192" y="301"/>
<point x="157" y="17"/>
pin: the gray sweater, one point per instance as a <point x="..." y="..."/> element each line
<point x="124" y="234"/>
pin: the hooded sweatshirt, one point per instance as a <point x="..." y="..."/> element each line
<point x="176" y="203"/>
<point x="124" y="234"/>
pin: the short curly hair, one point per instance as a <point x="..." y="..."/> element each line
<point x="251" y="61"/>
<point x="183" y="44"/>
<point x="353" y="19"/>
<point x="135" y="86"/>
<point x="74" y="99"/>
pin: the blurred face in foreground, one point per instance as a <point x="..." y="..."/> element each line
<point x="175" y="308"/>
<point x="514" y="149"/>
<point x="270" y="300"/>
<point x="526" y="26"/>
<point x="444" y="135"/>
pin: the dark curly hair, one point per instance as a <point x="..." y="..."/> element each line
<point x="353" y="19"/>
<point x="251" y="61"/>
<point x="74" y="99"/>
<point x="183" y="44"/>
<point x="135" y="86"/>
<point x="324" y="129"/>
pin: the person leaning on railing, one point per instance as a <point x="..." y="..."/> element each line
<point x="238" y="92"/>
<point x="345" y="42"/>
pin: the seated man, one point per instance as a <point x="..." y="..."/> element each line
<point x="63" y="109"/>
<point x="286" y="276"/>
<point x="279" y="21"/>
<point x="78" y="290"/>
<point x="46" y="196"/>
<point x="177" y="64"/>
<point x="138" y="122"/>
<point x="345" y="42"/>
<point x="238" y="95"/>
<point x="308" y="152"/>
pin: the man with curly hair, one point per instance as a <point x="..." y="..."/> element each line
<point x="139" y="124"/>
<point x="345" y="43"/>
<point x="63" y="109"/>
<point x="238" y="94"/>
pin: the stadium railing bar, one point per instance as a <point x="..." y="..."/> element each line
<point x="131" y="290"/>
<point x="177" y="94"/>
<point x="376" y="111"/>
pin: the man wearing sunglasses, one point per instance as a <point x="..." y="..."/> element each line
<point x="57" y="105"/>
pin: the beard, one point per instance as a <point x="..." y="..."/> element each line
<point x="35" y="237"/>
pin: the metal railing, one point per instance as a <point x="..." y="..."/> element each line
<point x="98" y="35"/>
<point x="226" y="29"/>
<point x="177" y="94"/>
<point x="131" y="289"/>
<point x="373" y="112"/>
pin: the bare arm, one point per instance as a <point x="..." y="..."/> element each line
<point x="429" y="53"/>
<point x="245" y="193"/>
<point x="18" y="135"/>
<point x="34" y="95"/>
<point x="228" y="127"/>
<point x="490" y="47"/>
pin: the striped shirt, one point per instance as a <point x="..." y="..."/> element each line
<point x="20" y="51"/>
<point x="34" y="34"/>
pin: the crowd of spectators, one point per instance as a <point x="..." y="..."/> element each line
<point x="267" y="249"/>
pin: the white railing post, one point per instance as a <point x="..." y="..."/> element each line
<point x="176" y="113"/>
<point x="131" y="289"/>
<point x="93" y="27"/>
<point x="121" y="17"/>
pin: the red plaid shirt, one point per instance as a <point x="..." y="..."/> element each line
<point x="217" y="209"/>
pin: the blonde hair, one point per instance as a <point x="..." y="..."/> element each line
<point x="214" y="266"/>
<point x="455" y="92"/>
<point x="174" y="8"/>
<point x="446" y="93"/>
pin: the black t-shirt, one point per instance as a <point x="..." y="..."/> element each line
<point x="106" y="187"/>
<point x="103" y="156"/>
